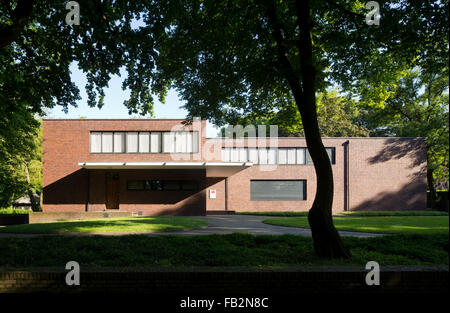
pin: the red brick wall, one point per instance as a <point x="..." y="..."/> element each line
<point x="66" y="143"/>
<point x="384" y="173"/>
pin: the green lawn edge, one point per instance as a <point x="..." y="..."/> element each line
<point x="351" y="213"/>
<point x="378" y="224"/>
<point x="110" y="225"/>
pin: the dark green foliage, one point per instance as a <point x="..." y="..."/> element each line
<point x="214" y="250"/>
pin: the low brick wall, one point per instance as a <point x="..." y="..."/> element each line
<point x="226" y="281"/>
<point x="13" y="219"/>
<point x="45" y="217"/>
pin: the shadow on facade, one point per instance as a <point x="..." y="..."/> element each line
<point x="397" y="148"/>
<point x="73" y="190"/>
<point x="412" y="195"/>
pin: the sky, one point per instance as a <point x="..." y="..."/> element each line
<point x="114" y="107"/>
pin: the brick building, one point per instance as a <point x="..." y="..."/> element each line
<point x="163" y="167"/>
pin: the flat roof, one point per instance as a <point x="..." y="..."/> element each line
<point x="162" y="165"/>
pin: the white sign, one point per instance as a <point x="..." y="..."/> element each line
<point x="212" y="193"/>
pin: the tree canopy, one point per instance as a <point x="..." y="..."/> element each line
<point x="226" y="59"/>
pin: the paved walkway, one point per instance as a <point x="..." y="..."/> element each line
<point x="252" y="224"/>
<point x="221" y="224"/>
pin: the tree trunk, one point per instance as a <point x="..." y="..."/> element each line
<point x="34" y="205"/>
<point x="327" y="242"/>
<point x="431" y="188"/>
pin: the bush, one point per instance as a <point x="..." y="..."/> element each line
<point x="11" y="211"/>
<point x="441" y="200"/>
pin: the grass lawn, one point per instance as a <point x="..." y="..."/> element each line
<point x="128" y="224"/>
<point x="394" y="213"/>
<point x="303" y="213"/>
<point x="215" y="250"/>
<point x="353" y="213"/>
<point x="391" y="225"/>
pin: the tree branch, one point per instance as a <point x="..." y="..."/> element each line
<point x="283" y="59"/>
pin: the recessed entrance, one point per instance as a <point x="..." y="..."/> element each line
<point x="112" y="190"/>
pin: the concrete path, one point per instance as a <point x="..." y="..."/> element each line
<point x="252" y="224"/>
<point x="219" y="224"/>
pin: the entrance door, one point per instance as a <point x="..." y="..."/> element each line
<point x="112" y="190"/>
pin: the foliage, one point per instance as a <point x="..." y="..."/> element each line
<point x="20" y="147"/>
<point x="337" y="116"/>
<point x="417" y="107"/>
<point x="215" y="250"/>
<point x="12" y="211"/>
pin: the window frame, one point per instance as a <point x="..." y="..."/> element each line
<point x="286" y="150"/>
<point x="194" y="149"/>
<point x="150" y="182"/>
<point x="305" y="188"/>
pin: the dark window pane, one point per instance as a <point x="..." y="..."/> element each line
<point x="135" y="185"/>
<point x="171" y="185"/>
<point x="112" y="175"/>
<point x="267" y="190"/>
<point x="330" y="152"/>
<point x="331" y="155"/>
<point x="148" y="185"/>
<point x="189" y="185"/>
<point x="308" y="157"/>
<point x="157" y="185"/>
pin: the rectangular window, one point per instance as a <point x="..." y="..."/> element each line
<point x="189" y="144"/>
<point x="262" y="155"/>
<point x="168" y="142"/>
<point x="234" y="155"/>
<point x="243" y="155"/>
<point x="180" y="142"/>
<point x="282" y="156"/>
<point x="278" y="190"/>
<point x="119" y="142"/>
<point x="157" y="185"/>
<point x="155" y="142"/>
<point x="291" y="156"/>
<point x="107" y="142"/>
<point x="272" y="156"/>
<point x="132" y="142"/>
<point x="195" y="142"/>
<point x="135" y="185"/>
<point x="226" y="154"/>
<point x="301" y="156"/>
<point x="96" y="142"/>
<point x="144" y="142"/>
<point x="330" y="152"/>
<point x="253" y="155"/>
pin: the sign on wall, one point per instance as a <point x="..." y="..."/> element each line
<point x="212" y="193"/>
